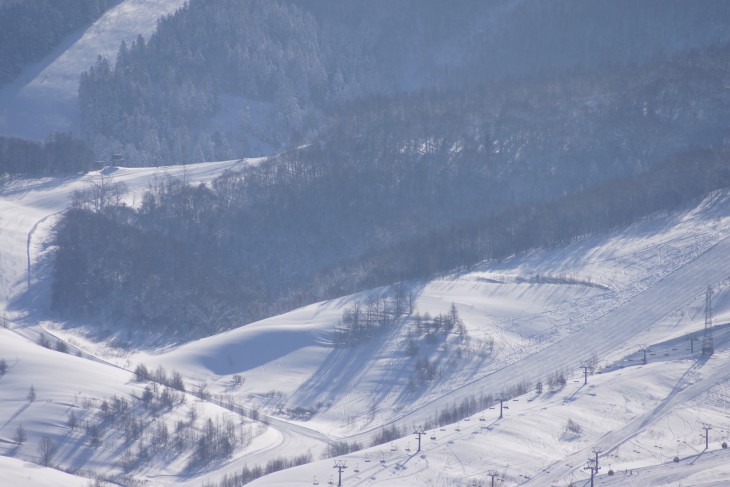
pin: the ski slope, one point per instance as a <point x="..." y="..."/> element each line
<point x="532" y="441"/>
<point x="619" y="288"/>
<point x="603" y="297"/>
<point x="43" y="99"/>
<point x="525" y="319"/>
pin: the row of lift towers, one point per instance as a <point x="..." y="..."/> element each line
<point x="708" y="348"/>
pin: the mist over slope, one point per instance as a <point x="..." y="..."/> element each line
<point x="32" y="29"/>
<point x="253" y="77"/>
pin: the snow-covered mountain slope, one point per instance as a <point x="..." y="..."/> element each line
<point x="65" y="384"/>
<point x="529" y="318"/>
<point x="61" y="382"/>
<point x="43" y="99"/>
<point x="600" y="297"/>
<point x="526" y="319"/>
<point x="545" y="439"/>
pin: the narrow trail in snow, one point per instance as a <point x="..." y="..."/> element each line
<point x="29" y="243"/>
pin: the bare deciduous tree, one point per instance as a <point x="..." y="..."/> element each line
<point x="47" y="448"/>
<point x="20" y="435"/>
<point x="72" y="420"/>
<point x="99" y="195"/>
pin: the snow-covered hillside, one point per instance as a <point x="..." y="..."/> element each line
<point x="528" y="319"/>
<point x="27" y="474"/>
<point x="43" y="99"/>
<point x="545" y="439"/>
<point x="81" y="404"/>
<point x="601" y="297"/>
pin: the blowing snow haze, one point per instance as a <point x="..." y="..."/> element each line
<point x="243" y="241"/>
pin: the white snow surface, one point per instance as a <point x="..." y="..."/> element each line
<point x="43" y="99"/>
<point x="17" y="473"/>
<point x="527" y="317"/>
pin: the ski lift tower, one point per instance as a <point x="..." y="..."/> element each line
<point x="708" y="346"/>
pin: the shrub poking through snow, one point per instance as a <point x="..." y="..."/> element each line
<point x="573" y="427"/>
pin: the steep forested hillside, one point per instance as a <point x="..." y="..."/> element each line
<point x="30" y="29"/>
<point x="402" y="187"/>
<point x="241" y="76"/>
